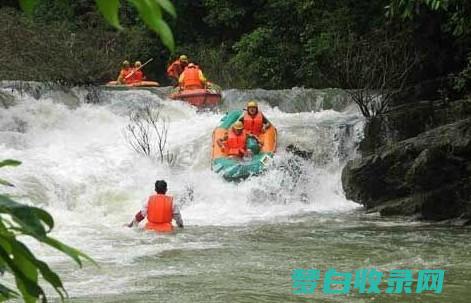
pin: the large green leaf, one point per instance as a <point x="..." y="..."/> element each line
<point x="168" y="7"/>
<point x="110" y="10"/>
<point x="6" y="183"/>
<point x="7" y="293"/>
<point x="22" y="252"/>
<point x="166" y="34"/>
<point x="30" y="219"/>
<point x="28" y="268"/>
<point x="151" y="14"/>
<point x="27" y="286"/>
<point x="24" y="265"/>
<point x="9" y="162"/>
<point x="70" y="251"/>
<point x="17" y="259"/>
<point x="149" y="11"/>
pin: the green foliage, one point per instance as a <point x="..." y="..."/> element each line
<point x="320" y="53"/>
<point x="408" y="8"/>
<point x="462" y="81"/>
<point x="256" y="58"/>
<point x="216" y="62"/>
<point x="457" y="12"/>
<point x="168" y="7"/>
<point x="110" y="9"/>
<point x="28" y="5"/>
<point x="149" y="11"/>
<point x="17" y="259"/>
<point x="258" y="43"/>
<point x="224" y="13"/>
<point x="8" y="162"/>
<point x="48" y="11"/>
<point x="53" y="52"/>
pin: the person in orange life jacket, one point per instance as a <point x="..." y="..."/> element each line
<point x="234" y="143"/>
<point x="159" y="210"/>
<point x="192" y="78"/>
<point x="123" y="74"/>
<point x="254" y="121"/>
<point x="137" y="75"/>
<point x="175" y="69"/>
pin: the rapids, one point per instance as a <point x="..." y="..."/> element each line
<point x="241" y="240"/>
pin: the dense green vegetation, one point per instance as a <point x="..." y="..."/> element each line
<point x="259" y="43"/>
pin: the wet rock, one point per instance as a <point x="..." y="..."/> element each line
<point x="299" y="152"/>
<point x="428" y="176"/>
<point x="405" y="121"/>
<point x="93" y="95"/>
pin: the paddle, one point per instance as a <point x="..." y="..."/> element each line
<point x="132" y="73"/>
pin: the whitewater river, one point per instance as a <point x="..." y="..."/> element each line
<point x="241" y="241"/>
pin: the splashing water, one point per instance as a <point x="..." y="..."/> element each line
<point x="78" y="165"/>
<point x="76" y="158"/>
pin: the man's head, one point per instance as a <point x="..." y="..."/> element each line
<point x="183" y="58"/>
<point x="252" y="107"/>
<point x="161" y="187"/>
<point x="238" y="127"/>
<point x="137" y="64"/>
<point x="125" y="63"/>
<point x="191" y="65"/>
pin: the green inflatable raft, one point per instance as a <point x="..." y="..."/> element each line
<point x="235" y="168"/>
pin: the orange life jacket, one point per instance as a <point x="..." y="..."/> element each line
<point x="138" y="76"/>
<point x="191" y="78"/>
<point x="253" y="125"/>
<point x="235" y="144"/>
<point x="175" y="69"/>
<point x="160" y="213"/>
<point x="124" y="73"/>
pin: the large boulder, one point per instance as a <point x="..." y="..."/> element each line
<point x="405" y="121"/>
<point x="428" y="176"/>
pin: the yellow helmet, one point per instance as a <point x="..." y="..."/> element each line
<point x="252" y="103"/>
<point x="125" y="63"/>
<point x="238" y="125"/>
<point x="183" y="58"/>
<point x="137" y="63"/>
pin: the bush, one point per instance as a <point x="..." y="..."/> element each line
<point x="53" y="52"/>
<point x="215" y="61"/>
<point x="462" y="81"/>
<point x="256" y="59"/>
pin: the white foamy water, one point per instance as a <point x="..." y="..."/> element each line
<point x="78" y="165"/>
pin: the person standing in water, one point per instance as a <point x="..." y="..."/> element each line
<point x="159" y="210"/>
